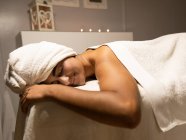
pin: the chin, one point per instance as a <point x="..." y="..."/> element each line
<point x="76" y="85"/>
<point x="80" y="83"/>
<point x="78" y="80"/>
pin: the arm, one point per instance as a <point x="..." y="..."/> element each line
<point x="117" y="103"/>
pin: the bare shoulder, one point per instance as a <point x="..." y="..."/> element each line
<point x="104" y="51"/>
<point x="103" y="54"/>
<point x="110" y="72"/>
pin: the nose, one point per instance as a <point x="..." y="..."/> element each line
<point x="65" y="80"/>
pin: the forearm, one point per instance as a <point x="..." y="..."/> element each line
<point x="105" y="106"/>
<point x="92" y="100"/>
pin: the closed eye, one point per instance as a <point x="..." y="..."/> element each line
<point x="55" y="82"/>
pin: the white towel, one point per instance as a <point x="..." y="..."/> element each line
<point x="33" y="63"/>
<point x="159" y="65"/>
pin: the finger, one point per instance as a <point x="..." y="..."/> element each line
<point x="27" y="90"/>
<point x="24" y="95"/>
<point x="23" y="100"/>
<point x="24" y="103"/>
<point x="25" y="106"/>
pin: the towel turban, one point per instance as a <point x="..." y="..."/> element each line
<point x="33" y="63"/>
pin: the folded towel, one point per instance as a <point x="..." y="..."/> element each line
<point x="33" y="63"/>
<point x="159" y="65"/>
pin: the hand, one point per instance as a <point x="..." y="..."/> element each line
<point x="31" y="95"/>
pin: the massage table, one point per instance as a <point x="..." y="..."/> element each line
<point x="49" y="120"/>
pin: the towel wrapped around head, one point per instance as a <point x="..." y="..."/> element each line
<point x="33" y="63"/>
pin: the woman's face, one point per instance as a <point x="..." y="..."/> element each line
<point x="67" y="72"/>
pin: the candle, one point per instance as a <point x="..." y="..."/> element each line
<point x="108" y="30"/>
<point x="81" y="30"/>
<point x="90" y="30"/>
<point x="99" y="30"/>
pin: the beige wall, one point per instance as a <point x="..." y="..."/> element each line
<point x="73" y="19"/>
<point x="152" y="18"/>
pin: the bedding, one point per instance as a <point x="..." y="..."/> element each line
<point x="49" y="120"/>
<point x="159" y="66"/>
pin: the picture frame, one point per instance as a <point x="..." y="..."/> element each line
<point x="44" y="1"/>
<point x="68" y="3"/>
<point x="95" y="4"/>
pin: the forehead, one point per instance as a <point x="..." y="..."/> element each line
<point x="66" y="63"/>
<point x="62" y="63"/>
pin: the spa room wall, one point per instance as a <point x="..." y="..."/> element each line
<point x="146" y="19"/>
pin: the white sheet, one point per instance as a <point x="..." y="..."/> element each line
<point x="159" y="65"/>
<point x="51" y="121"/>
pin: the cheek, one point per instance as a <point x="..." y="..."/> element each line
<point x="81" y="78"/>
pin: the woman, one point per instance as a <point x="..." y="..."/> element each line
<point x="118" y="101"/>
<point x="118" y="66"/>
